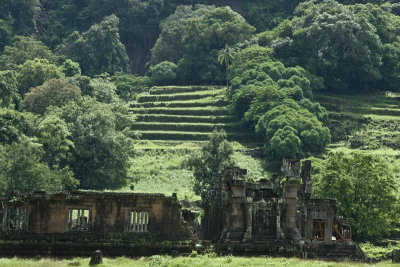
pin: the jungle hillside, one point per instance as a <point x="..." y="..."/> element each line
<point x="160" y="96"/>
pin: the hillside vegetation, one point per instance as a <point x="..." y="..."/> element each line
<point x="126" y="95"/>
<point x="188" y="113"/>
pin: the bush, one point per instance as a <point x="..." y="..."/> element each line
<point x="55" y="92"/>
<point x="163" y="73"/>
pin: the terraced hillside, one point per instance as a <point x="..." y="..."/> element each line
<point x="187" y="113"/>
<point x="369" y="123"/>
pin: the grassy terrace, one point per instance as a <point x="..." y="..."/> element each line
<point x="181" y="89"/>
<point x="198" y="127"/>
<point x="196" y="136"/>
<point x="376" y="118"/>
<point x="186" y="113"/>
<point x="182" y="96"/>
<point x="206" y="111"/>
<point x="204" y="102"/>
<point x="185" y="118"/>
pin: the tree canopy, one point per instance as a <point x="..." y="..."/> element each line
<point x="351" y="46"/>
<point x="55" y="92"/>
<point x="99" y="49"/>
<point x="192" y="38"/>
<point x="365" y="187"/>
<point x="212" y="160"/>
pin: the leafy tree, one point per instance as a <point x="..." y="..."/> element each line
<point x="192" y="38"/>
<point x="258" y="83"/>
<point x="129" y="86"/>
<point x="15" y="125"/>
<point x="5" y="34"/>
<point x="169" y="46"/>
<point x="54" y="135"/>
<point x="35" y="72"/>
<point x="101" y="148"/>
<point x="8" y="88"/>
<point x="55" y="92"/>
<point x="292" y="131"/>
<point x="71" y="68"/>
<point x="99" y="49"/>
<point x="23" y="49"/>
<point x="285" y="144"/>
<point x="214" y="157"/>
<point x="21" y="15"/>
<point x="62" y="18"/>
<point x="22" y="170"/>
<point x="275" y="100"/>
<point x="83" y="82"/>
<point x="225" y="56"/>
<point x="104" y="90"/>
<point x="333" y="41"/>
<point x="163" y="73"/>
<point x="365" y="187"/>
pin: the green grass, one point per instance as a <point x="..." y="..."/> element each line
<point x="181" y="89"/>
<point x="203" y="111"/>
<point x="189" y="127"/>
<point x="178" y="144"/>
<point x="378" y="252"/>
<point x="195" y="136"/>
<point x="185" y="118"/>
<point x="374" y="118"/>
<point x="162" y="171"/>
<point x="199" y="261"/>
<point x="202" y="102"/>
<point x="179" y="96"/>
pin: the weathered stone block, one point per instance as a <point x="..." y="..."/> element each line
<point x="96" y="258"/>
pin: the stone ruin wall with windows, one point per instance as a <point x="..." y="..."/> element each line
<point x="119" y="221"/>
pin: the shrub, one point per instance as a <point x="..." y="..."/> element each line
<point x="55" y="92"/>
<point x="163" y="73"/>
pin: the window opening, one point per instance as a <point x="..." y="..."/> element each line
<point x="78" y="219"/>
<point x="318" y="230"/>
<point x="139" y="221"/>
<point x="16" y="219"/>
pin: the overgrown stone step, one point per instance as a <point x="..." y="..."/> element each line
<point x="180" y="89"/>
<point x="219" y="102"/>
<point x="194" y="136"/>
<point x="182" y="111"/>
<point x="175" y="97"/>
<point x="180" y="118"/>
<point x="189" y="127"/>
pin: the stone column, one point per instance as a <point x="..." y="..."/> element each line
<point x="249" y="220"/>
<point x="279" y="232"/>
<point x="290" y="197"/>
<point x="328" y="230"/>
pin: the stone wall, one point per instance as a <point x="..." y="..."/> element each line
<point x="96" y="213"/>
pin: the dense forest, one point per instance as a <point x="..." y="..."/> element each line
<point x="69" y="69"/>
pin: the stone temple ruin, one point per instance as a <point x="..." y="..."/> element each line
<point x="275" y="215"/>
<point x="77" y="223"/>
<point x="269" y="217"/>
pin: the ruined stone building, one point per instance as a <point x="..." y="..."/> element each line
<point x="276" y="216"/>
<point x="115" y="222"/>
<point x="269" y="215"/>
